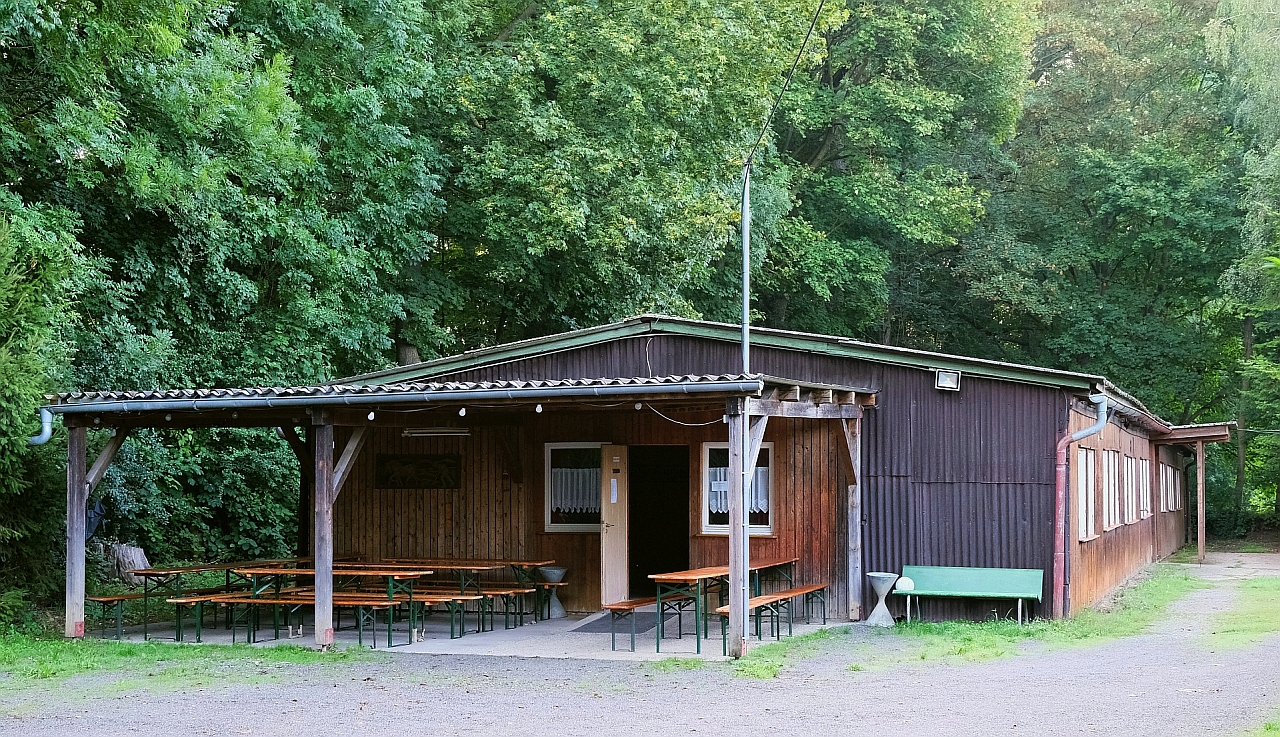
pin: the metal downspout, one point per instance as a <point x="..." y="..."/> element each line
<point x="46" y="428"/>
<point x="1060" y="515"/>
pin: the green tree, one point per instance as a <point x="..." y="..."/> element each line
<point x="593" y="151"/>
<point x="1117" y="209"/>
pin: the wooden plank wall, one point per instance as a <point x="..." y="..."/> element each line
<point x="483" y="519"/>
<point x="808" y="520"/>
<point x="493" y="515"/>
<point x="1097" y="566"/>
<point x="1170" y="527"/>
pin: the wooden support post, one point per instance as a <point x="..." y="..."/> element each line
<point x="322" y="436"/>
<point x="1200" y="499"/>
<point x="738" y="542"/>
<point x="755" y="439"/>
<point x="306" y="485"/>
<point x="77" y="495"/>
<point x="348" y="460"/>
<point x="99" y="468"/>
<point x="853" y="443"/>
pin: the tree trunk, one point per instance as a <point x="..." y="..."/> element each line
<point x="1242" y="442"/>
<point x="126" y="558"/>
<point x="406" y="353"/>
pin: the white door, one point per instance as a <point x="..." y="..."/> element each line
<point x="613" y="524"/>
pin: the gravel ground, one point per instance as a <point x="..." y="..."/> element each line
<point x="1163" y="682"/>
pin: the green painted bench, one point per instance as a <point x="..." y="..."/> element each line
<point x="973" y="583"/>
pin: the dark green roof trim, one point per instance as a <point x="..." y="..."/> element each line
<point x="848" y="348"/>
<point x="504" y="353"/>
<point x="768" y="337"/>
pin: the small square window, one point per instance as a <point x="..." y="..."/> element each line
<point x="572" y="487"/>
<point x="715" y="490"/>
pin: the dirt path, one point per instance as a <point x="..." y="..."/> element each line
<point x="1164" y="682"/>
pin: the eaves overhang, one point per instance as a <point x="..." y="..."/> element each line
<point x="419" y="393"/>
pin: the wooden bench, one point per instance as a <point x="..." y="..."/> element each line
<point x="487" y="592"/>
<point x="972" y="583"/>
<point x="774" y="604"/>
<point x="117" y="602"/>
<point x="626" y="610"/>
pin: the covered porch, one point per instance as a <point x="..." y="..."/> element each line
<point x="504" y="470"/>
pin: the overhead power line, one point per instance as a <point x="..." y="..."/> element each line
<point x="791" y="73"/>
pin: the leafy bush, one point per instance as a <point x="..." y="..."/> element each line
<point x="35" y="251"/>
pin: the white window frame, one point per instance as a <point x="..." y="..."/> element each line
<point x="1144" y="488"/>
<point x="1130" y="490"/>
<point x="547" y="524"/>
<point x="1110" y="490"/>
<point x="1166" y="487"/>
<point x="1086" y="493"/>
<point x="704" y="465"/>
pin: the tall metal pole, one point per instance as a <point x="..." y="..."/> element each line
<point x="746" y="267"/>
<point x="739" y="538"/>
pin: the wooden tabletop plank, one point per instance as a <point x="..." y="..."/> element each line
<point x="400" y="572"/>
<point x="470" y="564"/>
<point x="697" y="574"/>
<point x="203" y="567"/>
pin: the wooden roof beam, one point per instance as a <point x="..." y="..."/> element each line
<point x="808" y="410"/>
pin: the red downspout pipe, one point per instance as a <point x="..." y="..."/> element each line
<point x="1062" y="480"/>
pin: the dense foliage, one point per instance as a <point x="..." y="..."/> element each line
<point x="285" y="191"/>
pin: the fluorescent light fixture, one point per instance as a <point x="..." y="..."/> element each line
<point x="435" y="432"/>
<point x="947" y="381"/>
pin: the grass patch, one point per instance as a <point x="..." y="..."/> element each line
<point x="671" y="665"/>
<point x="1133" y="612"/>
<point x="1189" y="553"/>
<point x="1271" y="727"/>
<point x="27" y="661"/>
<point x="766" y="661"/>
<point x="1255" y="615"/>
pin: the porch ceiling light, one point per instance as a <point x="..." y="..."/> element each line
<point x="947" y="381"/>
<point x="435" y="432"/>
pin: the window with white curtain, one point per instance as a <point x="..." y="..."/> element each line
<point x="572" y="484"/>
<point x="1166" y="487"/>
<point x="1171" y="488"/>
<point x="1110" y="489"/>
<point x="715" y="490"/>
<point x="1085" y="492"/>
<point x="1144" y="488"/>
<point x="1130" y="490"/>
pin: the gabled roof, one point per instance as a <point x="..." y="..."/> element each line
<point x="829" y="345"/>
<point x="784" y="339"/>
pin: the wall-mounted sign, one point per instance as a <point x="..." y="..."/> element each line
<point x="422" y="471"/>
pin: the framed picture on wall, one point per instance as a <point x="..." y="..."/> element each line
<point x="418" y="471"/>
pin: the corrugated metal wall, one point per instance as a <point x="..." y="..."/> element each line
<point x="950" y="478"/>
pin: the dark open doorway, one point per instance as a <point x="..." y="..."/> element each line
<point x="658" y="519"/>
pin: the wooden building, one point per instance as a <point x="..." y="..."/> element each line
<point x="608" y="449"/>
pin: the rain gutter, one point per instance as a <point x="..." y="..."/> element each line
<point x="754" y="386"/>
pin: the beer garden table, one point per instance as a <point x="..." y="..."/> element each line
<point x="399" y="580"/>
<point x="170" y="579"/>
<point x="693" y="583"/>
<point x="469" y="569"/>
